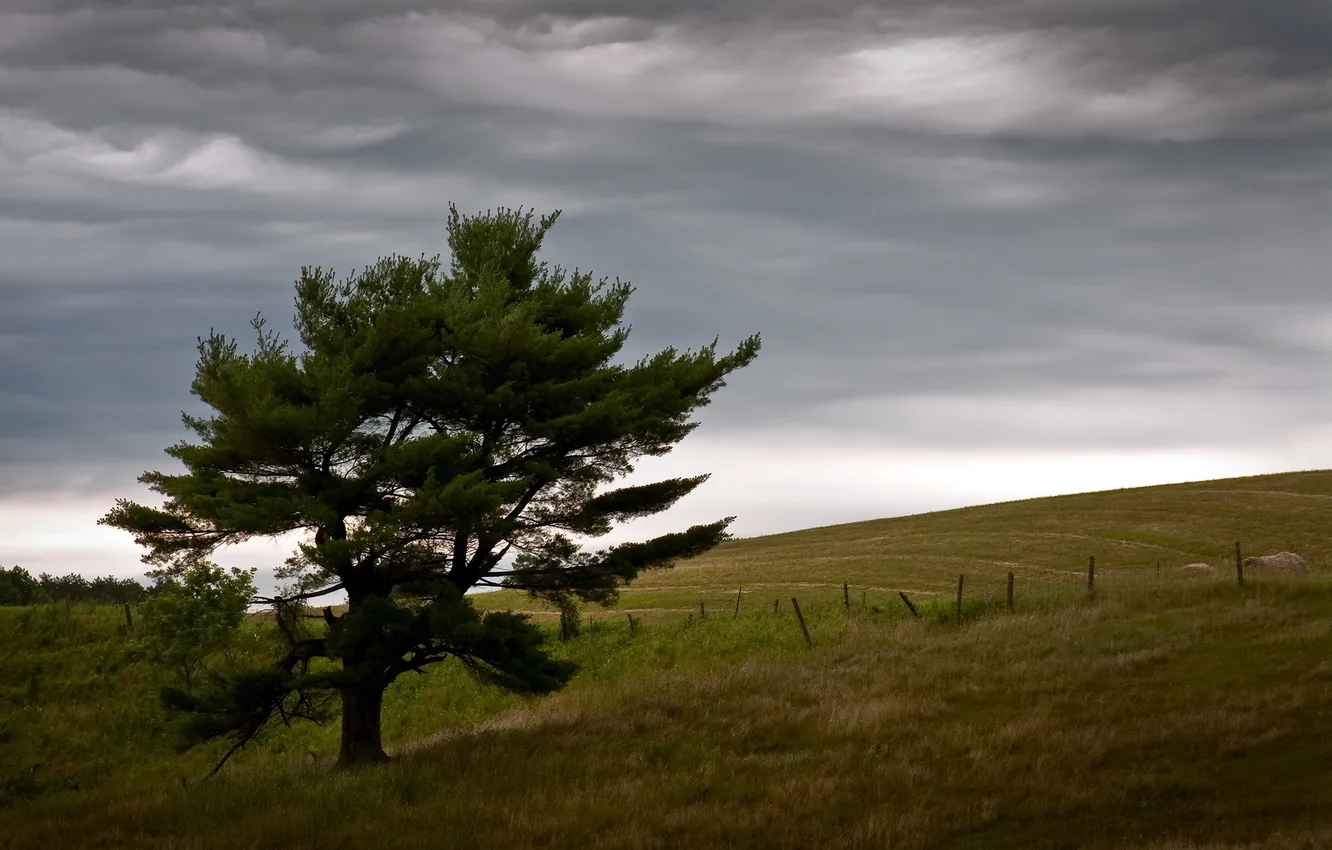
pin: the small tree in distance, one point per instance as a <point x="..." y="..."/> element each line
<point x="193" y="614"/>
<point x="433" y="425"/>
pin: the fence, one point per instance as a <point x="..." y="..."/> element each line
<point x="993" y="586"/>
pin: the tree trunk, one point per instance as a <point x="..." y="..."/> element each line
<point x="363" y="697"/>
<point x="361" y="743"/>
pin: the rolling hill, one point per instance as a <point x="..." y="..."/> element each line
<point x="1044" y="542"/>
<point x="1177" y="711"/>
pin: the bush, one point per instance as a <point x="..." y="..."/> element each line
<point x="192" y="616"/>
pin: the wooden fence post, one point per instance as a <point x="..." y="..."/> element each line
<point x="1091" y="575"/>
<point x="738" y="591"/>
<point x="846" y="596"/>
<point x="1158" y="569"/>
<point x="129" y="619"/>
<point x="801" y="618"/>
<point x="774" y="605"/>
<point x="702" y="611"/>
<point x="960" y="579"/>
<point x="910" y="607"/>
<point x="1239" y="565"/>
<point x="1010" y="591"/>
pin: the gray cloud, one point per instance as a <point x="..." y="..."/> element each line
<point x="1021" y="225"/>
<point x="1155" y="70"/>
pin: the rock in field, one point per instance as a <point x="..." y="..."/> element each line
<point x="1281" y="562"/>
<point x="1196" y="568"/>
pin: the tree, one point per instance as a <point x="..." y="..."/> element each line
<point x="193" y="614"/>
<point x="18" y="587"/>
<point x="439" y="432"/>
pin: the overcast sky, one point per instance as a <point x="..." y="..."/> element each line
<point x="996" y="248"/>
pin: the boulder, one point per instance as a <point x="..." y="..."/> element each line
<point x="1196" y="568"/>
<point x="1281" y="562"/>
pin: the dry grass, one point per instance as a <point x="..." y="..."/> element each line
<point x="1178" y="714"/>
<point x="1044" y="542"/>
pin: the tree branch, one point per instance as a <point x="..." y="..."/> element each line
<point x="411" y="426"/>
<point x="459" y="554"/>
<point x="302" y="652"/>
<point x="229" y="753"/>
<point x="312" y="594"/>
<point x="393" y="428"/>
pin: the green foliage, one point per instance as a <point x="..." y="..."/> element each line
<point x="18" y="587"/>
<point x="239" y="705"/>
<point x="571" y="620"/>
<point x="435" y="433"/>
<point x="498" y="648"/>
<point x="193" y="615"/>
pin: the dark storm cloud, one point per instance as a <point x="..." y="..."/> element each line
<point x="916" y="202"/>
<point x="99" y="374"/>
<point x="1265" y="61"/>
<point x="1295" y="36"/>
<point x="1171" y="69"/>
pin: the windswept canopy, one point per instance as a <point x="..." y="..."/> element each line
<point x="430" y="426"/>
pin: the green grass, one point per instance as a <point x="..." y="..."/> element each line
<point x="1044" y="542"/>
<point x="1179" y="712"/>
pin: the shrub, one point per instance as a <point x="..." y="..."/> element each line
<point x="194" y="615"/>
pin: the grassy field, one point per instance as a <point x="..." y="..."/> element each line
<point x="1045" y="543"/>
<point x="1173" y="712"/>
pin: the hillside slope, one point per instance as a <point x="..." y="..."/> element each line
<point x="1045" y="542"/>
<point x="1176" y="713"/>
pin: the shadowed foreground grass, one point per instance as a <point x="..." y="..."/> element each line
<point x="1176" y="714"/>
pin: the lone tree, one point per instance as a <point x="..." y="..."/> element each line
<point x="433" y="425"/>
